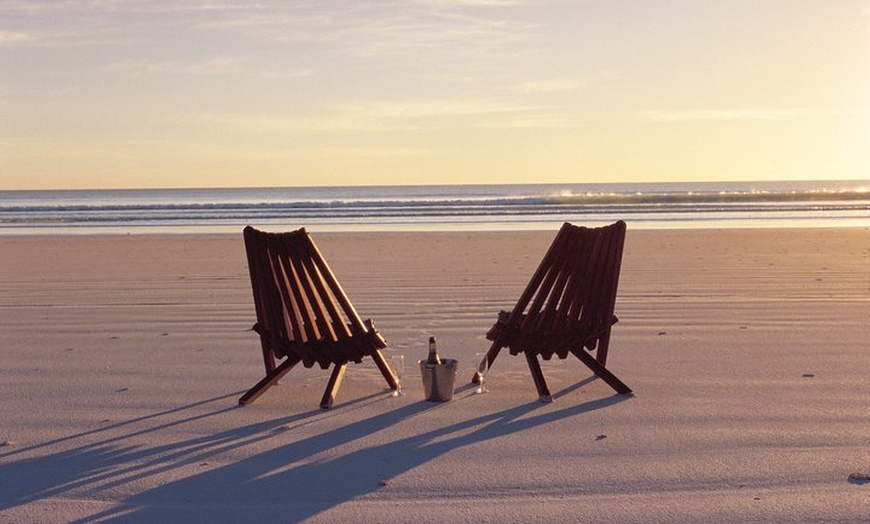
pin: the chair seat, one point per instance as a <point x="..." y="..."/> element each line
<point x="327" y="351"/>
<point x="546" y="341"/>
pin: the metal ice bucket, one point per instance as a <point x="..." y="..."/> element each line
<point x="438" y="380"/>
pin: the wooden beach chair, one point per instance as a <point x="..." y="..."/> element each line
<point x="303" y="314"/>
<point x="567" y="306"/>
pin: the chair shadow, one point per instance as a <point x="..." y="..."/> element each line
<point x="131" y="422"/>
<point x="112" y="460"/>
<point x="247" y="489"/>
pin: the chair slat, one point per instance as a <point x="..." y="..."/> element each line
<point x="254" y="252"/>
<point x="323" y="338"/>
<point x="550" y="305"/>
<point x="329" y="277"/>
<point x="592" y="297"/>
<point x="321" y="303"/>
<point x="538" y="277"/>
<point x="337" y="320"/>
<point x="288" y="290"/>
<point x="578" y="289"/>
<point x="617" y="247"/>
<point x="276" y="317"/>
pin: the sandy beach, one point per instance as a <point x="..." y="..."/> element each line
<point x="122" y="359"/>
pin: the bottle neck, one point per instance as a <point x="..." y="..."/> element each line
<point x="433" y="352"/>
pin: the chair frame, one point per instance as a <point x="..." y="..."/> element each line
<point x="567" y="307"/>
<point x="303" y="314"/>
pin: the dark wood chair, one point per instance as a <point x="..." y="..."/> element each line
<point x="303" y="315"/>
<point x="567" y="306"/>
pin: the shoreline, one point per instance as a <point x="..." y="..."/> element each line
<point x="315" y="230"/>
<point x="439" y="207"/>
<point x="507" y="227"/>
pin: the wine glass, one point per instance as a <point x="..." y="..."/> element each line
<point x="482" y="368"/>
<point x="397" y="362"/>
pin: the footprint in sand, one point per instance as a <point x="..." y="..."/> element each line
<point x="859" y="478"/>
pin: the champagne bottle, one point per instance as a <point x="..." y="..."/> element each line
<point x="434" y="359"/>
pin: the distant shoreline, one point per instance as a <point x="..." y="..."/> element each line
<point x="536" y="207"/>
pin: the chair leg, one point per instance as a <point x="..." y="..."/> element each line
<point x="268" y="359"/>
<point x="538" y="376"/>
<point x="385" y="368"/>
<point x="270" y="379"/>
<point x="603" y="345"/>
<point x="601" y="371"/>
<point x="332" y="386"/>
<point x="490" y="358"/>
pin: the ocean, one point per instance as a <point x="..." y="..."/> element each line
<point x="437" y="208"/>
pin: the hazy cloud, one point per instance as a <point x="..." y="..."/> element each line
<point x="722" y="114"/>
<point x="413" y="114"/>
<point x="530" y="121"/>
<point x="470" y="3"/>
<point x="551" y="86"/>
<point x="15" y="38"/>
<point x="221" y="65"/>
<point x="214" y="66"/>
<point x="379" y="28"/>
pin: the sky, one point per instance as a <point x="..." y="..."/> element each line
<point x="216" y="93"/>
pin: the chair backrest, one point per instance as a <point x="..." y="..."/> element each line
<point x="299" y="302"/>
<point x="571" y="297"/>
